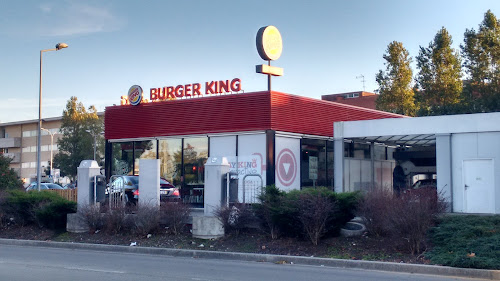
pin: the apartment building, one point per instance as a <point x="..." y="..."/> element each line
<point x="18" y="141"/>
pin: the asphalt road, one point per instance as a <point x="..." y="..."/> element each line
<point x="22" y="263"/>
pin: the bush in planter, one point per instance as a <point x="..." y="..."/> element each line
<point x="315" y="209"/>
<point x="46" y="209"/>
<point x="271" y="210"/>
<point x="408" y="215"/>
<point x="174" y="215"/>
<point x="235" y="217"/>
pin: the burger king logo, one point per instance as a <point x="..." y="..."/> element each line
<point x="135" y="95"/>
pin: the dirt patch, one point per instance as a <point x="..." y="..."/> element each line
<point x="252" y="241"/>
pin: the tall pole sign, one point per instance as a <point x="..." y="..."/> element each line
<point x="269" y="46"/>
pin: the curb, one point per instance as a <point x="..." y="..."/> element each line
<point x="339" y="263"/>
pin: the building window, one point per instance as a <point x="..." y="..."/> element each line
<point x="170" y="155"/>
<point x="143" y="150"/>
<point x="121" y="159"/>
<point x="314" y="169"/>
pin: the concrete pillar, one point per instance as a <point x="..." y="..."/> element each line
<point x="338" y="156"/>
<point x="85" y="172"/>
<point x="149" y="182"/>
<point x="215" y="168"/>
<point x="444" y="169"/>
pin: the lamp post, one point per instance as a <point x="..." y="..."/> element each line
<point x="51" y="144"/>
<point x="58" y="47"/>
<point x="95" y="136"/>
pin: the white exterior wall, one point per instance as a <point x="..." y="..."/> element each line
<point x="251" y="148"/>
<point x="473" y="146"/>
<point x="222" y="146"/>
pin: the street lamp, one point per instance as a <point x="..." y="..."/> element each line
<point x="51" y="144"/>
<point x="58" y="47"/>
<point x="90" y="132"/>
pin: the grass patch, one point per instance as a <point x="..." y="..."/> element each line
<point x="466" y="241"/>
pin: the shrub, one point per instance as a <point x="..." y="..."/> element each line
<point x="315" y="207"/>
<point x="234" y="217"/>
<point x="146" y="219"/>
<point x="91" y="215"/>
<point x="174" y="215"/>
<point x="346" y="207"/>
<point x="413" y="214"/>
<point x="115" y="220"/>
<point x="408" y="216"/>
<point x="466" y="241"/>
<point x="42" y="208"/>
<point x="270" y="209"/>
<point x="376" y="207"/>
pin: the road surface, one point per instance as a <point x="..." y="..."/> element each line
<point x="24" y="263"/>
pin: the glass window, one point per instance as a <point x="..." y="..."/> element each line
<point x="143" y="150"/>
<point x="329" y="162"/>
<point x="170" y="154"/>
<point x="121" y="160"/>
<point x="313" y="166"/>
<point x="195" y="156"/>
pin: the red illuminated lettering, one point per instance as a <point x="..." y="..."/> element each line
<point x="161" y="94"/>
<point x="209" y="88"/>
<point x="236" y="85"/>
<point x="223" y="85"/>
<point x="196" y="89"/>
<point x="153" y="93"/>
<point x="187" y="89"/>
<point x="179" y="91"/>
<point x="170" y="92"/>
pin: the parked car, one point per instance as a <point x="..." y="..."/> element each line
<point x="424" y="184"/>
<point x="130" y="185"/>
<point x="69" y="186"/>
<point x="43" y="186"/>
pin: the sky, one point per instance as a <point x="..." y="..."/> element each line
<point x="327" y="45"/>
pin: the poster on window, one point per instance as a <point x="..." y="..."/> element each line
<point x="250" y="179"/>
<point x="313" y="167"/>
<point x="287" y="159"/>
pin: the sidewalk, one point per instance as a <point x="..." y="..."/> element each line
<point x="355" y="264"/>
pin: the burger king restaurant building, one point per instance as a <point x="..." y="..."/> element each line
<point x="268" y="137"/>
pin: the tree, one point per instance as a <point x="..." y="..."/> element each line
<point x="8" y="177"/>
<point x="481" y="54"/>
<point x="439" y="81"/>
<point x="78" y="128"/>
<point x="396" y="93"/>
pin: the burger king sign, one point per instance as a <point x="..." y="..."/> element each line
<point x="135" y="95"/>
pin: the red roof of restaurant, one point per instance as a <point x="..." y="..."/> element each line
<point x="232" y="113"/>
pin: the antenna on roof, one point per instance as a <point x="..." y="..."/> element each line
<point x="362" y="80"/>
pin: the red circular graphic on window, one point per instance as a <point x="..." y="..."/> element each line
<point x="287" y="167"/>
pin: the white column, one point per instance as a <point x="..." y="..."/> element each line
<point x="86" y="171"/>
<point x="338" y="156"/>
<point x="215" y="168"/>
<point x="444" y="169"/>
<point x="149" y="182"/>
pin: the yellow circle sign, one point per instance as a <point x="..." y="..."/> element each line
<point x="269" y="44"/>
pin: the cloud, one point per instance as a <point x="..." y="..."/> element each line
<point x="81" y="18"/>
<point x="61" y="18"/>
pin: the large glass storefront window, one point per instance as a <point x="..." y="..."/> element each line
<point x="121" y="160"/>
<point x="195" y="154"/>
<point x="143" y="150"/>
<point x="170" y="155"/>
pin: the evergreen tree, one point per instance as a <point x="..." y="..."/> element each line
<point x="439" y="81"/>
<point x="396" y="93"/>
<point x="8" y="178"/>
<point x="78" y="128"/>
<point x="481" y="53"/>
